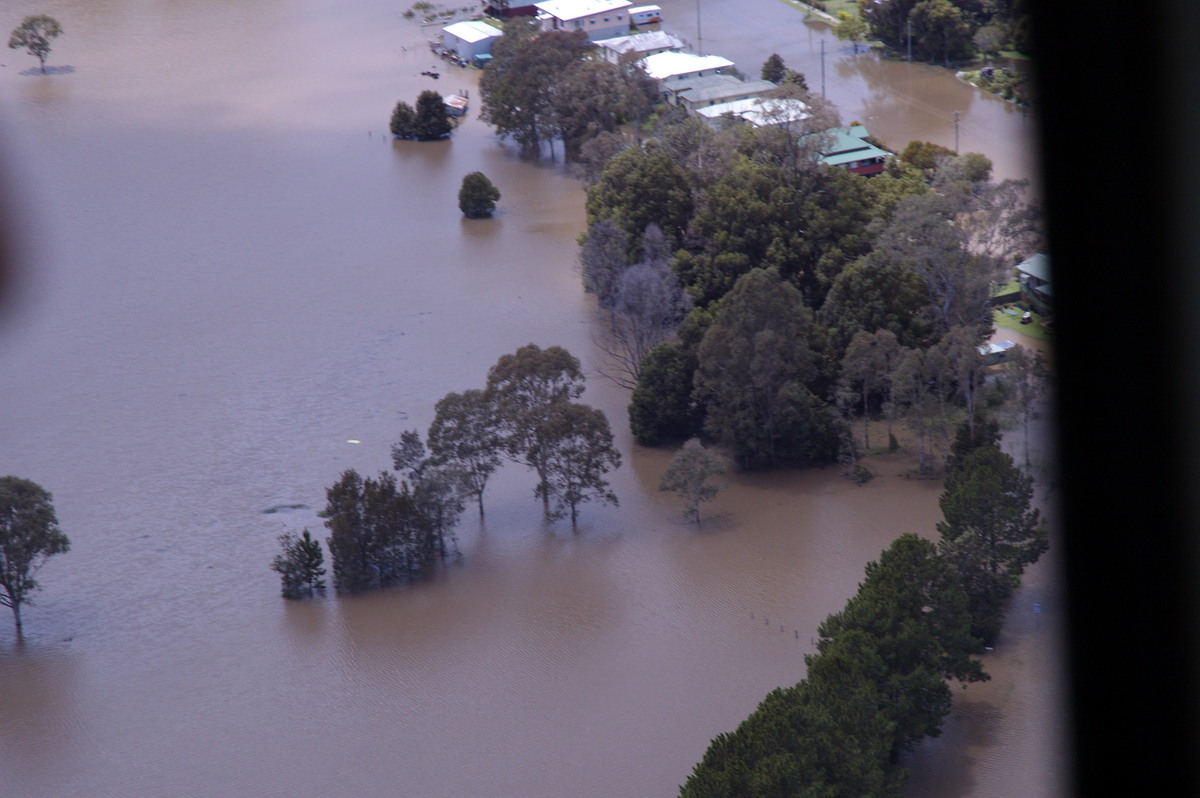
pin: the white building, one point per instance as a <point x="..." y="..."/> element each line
<point x="599" y="19"/>
<point x="470" y="38"/>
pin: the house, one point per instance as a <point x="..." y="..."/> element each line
<point x="757" y="111"/>
<point x="696" y="93"/>
<point x="470" y="39"/>
<point x="671" y="68"/>
<point x="639" y="45"/>
<point x="850" y="150"/>
<point x="599" y="19"/>
<point x="1033" y="275"/>
<point x="506" y="10"/>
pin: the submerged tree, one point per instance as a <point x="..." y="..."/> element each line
<point x="380" y="533"/>
<point x="693" y="476"/>
<point x="647" y="305"/>
<point x="35" y="34"/>
<point x="990" y="532"/>
<point x="404" y="121"/>
<point x="432" y="117"/>
<point x="576" y="447"/>
<point x="477" y="197"/>
<point x="300" y="565"/>
<point x="464" y="439"/>
<point x="29" y="535"/>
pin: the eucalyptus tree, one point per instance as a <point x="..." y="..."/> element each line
<point x="647" y="304"/>
<point x="35" y="34"/>
<point x="694" y="475"/>
<point x="523" y="387"/>
<point x="465" y="440"/>
<point x="1028" y="377"/>
<point x="575" y="446"/>
<point x="29" y="535"/>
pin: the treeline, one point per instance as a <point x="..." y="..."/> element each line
<point x="877" y="684"/>
<point x="385" y="532"/>
<point x="950" y="30"/>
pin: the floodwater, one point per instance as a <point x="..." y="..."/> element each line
<point x="899" y="102"/>
<point x="233" y="286"/>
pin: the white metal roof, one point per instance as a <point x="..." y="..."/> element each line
<point x="576" y="9"/>
<point x="472" y="30"/>
<point x="666" y="65"/>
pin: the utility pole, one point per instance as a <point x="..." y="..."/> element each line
<point x="699" y="37"/>
<point x="822" y="68"/>
<point x="956" y="113"/>
<point x="910" y="41"/>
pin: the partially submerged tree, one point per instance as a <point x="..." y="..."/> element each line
<point x="464" y="439"/>
<point x="432" y="117"/>
<point x="477" y="197"/>
<point x="991" y="532"/>
<point x="404" y="121"/>
<point x="576" y="449"/>
<point x="694" y="475"/>
<point x="300" y="565"/>
<point x="647" y="304"/>
<point x="1027" y="376"/>
<point x="380" y="533"/>
<point x="35" y="34"/>
<point x="29" y="535"/>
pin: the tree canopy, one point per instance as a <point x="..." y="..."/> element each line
<point x="755" y="366"/>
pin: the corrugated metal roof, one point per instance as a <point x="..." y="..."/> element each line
<point x="576" y="9"/>
<point x="1038" y="266"/>
<point x="665" y="65"/>
<point x="472" y="30"/>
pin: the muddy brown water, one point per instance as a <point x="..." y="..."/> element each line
<point x="228" y="274"/>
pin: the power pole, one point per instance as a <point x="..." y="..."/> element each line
<point x="822" y="68"/>
<point x="699" y="37"/>
<point x="956" y="113"/>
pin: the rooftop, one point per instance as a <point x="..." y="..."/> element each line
<point x="1037" y="265"/>
<point x="472" y="30"/>
<point x="716" y="87"/>
<point x="666" y="65"/>
<point x="642" y="42"/>
<point x="577" y="9"/>
<point x="759" y="111"/>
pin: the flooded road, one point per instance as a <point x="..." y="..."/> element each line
<point x="899" y="102"/>
<point x="230" y="273"/>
